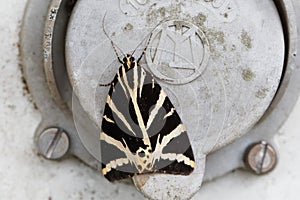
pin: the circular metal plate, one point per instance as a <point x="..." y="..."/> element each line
<point x="235" y="80"/>
<point x="230" y="156"/>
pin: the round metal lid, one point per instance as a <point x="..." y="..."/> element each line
<point x="219" y="61"/>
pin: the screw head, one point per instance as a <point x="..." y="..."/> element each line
<point x="261" y="158"/>
<point x="53" y="143"/>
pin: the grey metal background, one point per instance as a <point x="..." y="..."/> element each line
<point x="231" y="95"/>
<point x="61" y="119"/>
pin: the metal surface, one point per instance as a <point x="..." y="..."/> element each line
<point x="261" y="158"/>
<point x="53" y="143"/>
<point x="232" y="69"/>
<point x="230" y="156"/>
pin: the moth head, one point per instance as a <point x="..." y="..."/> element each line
<point x="128" y="59"/>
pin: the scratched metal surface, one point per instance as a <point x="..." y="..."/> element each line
<point x="24" y="175"/>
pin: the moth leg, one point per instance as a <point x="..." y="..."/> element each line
<point x="166" y="80"/>
<point x="106" y="85"/>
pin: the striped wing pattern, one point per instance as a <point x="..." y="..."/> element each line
<point x="141" y="130"/>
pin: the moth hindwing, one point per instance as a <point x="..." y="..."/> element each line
<point x="141" y="130"/>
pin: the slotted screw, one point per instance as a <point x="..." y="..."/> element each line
<point x="261" y="158"/>
<point x="53" y="143"/>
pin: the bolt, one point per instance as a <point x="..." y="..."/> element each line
<point x="261" y="158"/>
<point x="53" y="143"/>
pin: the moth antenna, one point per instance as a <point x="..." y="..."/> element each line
<point x="151" y="33"/>
<point x="145" y="49"/>
<point x="111" y="41"/>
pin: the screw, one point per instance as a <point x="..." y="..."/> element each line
<point x="53" y="143"/>
<point x="261" y="158"/>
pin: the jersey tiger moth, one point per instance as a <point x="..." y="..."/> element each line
<point x="141" y="130"/>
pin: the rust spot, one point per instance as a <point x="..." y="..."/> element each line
<point x="26" y="91"/>
<point x="21" y="67"/>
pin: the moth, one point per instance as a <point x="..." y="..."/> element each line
<point x="141" y="129"/>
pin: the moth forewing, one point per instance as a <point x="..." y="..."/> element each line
<point x="141" y="130"/>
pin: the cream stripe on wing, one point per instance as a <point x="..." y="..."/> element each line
<point x="175" y="133"/>
<point x="153" y="82"/>
<point x="170" y="113"/>
<point x="179" y="158"/>
<point x="143" y="76"/>
<point x="112" y="141"/>
<point x="133" y="96"/>
<point x="166" y="139"/>
<point x="118" y="162"/>
<point x="121" y="83"/>
<point x="108" y="120"/>
<point x="119" y="145"/>
<point x="131" y="157"/>
<point x="119" y="114"/>
<point x="137" y="110"/>
<point x="135" y="78"/>
<point x="158" y="105"/>
<point x="125" y="79"/>
<point x="114" y="164"/>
